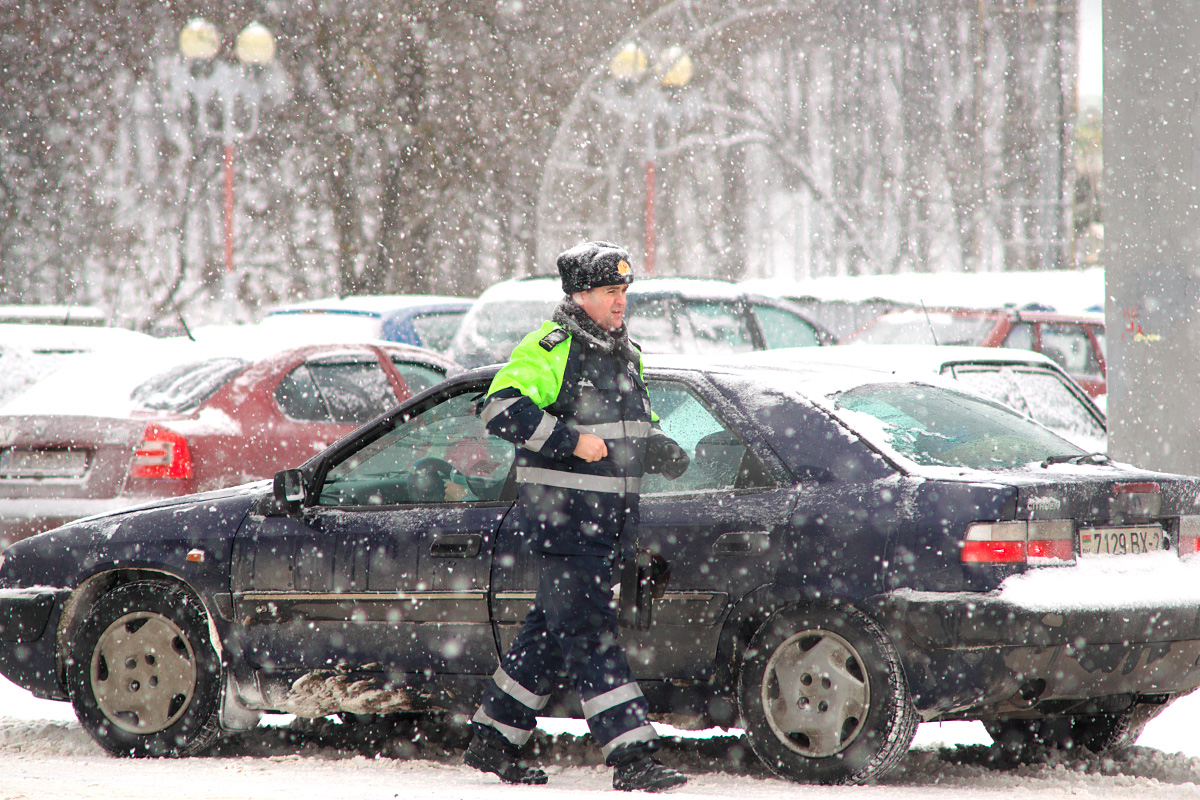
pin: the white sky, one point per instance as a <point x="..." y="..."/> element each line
<point x="1091" y="72"/>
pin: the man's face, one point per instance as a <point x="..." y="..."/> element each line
<point x="604" y="304"/>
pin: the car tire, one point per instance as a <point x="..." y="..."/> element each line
<point x="143" y="675"/>
<point x="824" y="698"/>
<point x="1097" y="733"/>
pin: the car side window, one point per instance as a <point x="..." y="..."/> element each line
<point x="345" y="392"/>
<point x="437" y="329"/>
<point x="720" y="461"/>
<point x="717" y="326"/>
<point x="1020" y="337"/>
<point x="782" y="328"/>
<point x="444" y="454"/>
<point x="419" y="377"/>
<point x="1071" y="347"/>
<point x="299" y="399"/>
<point x="652" y="325"/>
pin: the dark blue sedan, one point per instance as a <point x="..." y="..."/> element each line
<point x="849" y="555"/>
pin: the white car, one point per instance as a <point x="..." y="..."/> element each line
<point x="665" y="315"/>
<point x="1027" y="381"/>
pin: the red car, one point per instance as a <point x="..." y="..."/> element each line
<point x="202" y="425"/>
<point x="1076" y="342"/>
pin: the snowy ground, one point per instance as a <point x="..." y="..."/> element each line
<point x="44" y="754"/>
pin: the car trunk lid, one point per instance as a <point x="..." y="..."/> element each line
<point x="66" y="456"/>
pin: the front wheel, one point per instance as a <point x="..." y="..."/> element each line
<point x="143" y="675"/>
<point x="824" y="698"/>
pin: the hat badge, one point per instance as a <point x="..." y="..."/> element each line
<point x="623" y="267"/>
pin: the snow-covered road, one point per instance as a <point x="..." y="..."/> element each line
<point x="44" y="754"/>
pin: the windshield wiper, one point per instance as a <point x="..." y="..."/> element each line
<point x="1094" y="458"/>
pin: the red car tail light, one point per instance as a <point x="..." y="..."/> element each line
<point x="1019" y="542"/>
<point x="1189" y="535"/>
<point x="996" y="543"/>
<point x="162" y="453"/>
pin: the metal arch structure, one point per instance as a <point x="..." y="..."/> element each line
<point x="820" y="139"/>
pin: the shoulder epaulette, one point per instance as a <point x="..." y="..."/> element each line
<point x="554" y="338"/>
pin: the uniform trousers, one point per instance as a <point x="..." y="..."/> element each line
<point x="573" y="628"/>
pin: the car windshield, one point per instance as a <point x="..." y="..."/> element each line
<point x="931" y="426"/>
<point x="917" y="327"/>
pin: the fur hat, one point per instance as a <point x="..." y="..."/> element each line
<point x="593" y="264"/>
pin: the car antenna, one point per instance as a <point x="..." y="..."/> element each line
<point x="929" y="322"/>
<point x="183" y="322"/>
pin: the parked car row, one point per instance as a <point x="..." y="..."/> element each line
<point x="185" y="425"/>
<point x="110" y="433"/>
<point x="852" y="551"/>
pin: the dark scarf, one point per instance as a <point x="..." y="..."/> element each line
<point x="577" y="323"/>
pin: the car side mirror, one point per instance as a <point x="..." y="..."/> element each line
<point x="289" y="488"/>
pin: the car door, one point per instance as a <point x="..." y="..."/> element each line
<point x="715" y="525"/>
<point x="389" y="562"/>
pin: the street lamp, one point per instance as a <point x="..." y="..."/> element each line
<point x="672" y="71"/>
<point x="228" y="89"/>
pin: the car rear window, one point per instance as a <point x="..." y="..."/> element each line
<point x="938" y="427"/>
<point x="185" y="388"/>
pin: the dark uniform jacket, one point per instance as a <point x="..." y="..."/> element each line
<point x="557" y="385"/>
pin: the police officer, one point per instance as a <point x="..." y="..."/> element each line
<point x="572" y="400"/>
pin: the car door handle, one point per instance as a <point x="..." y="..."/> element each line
<point x="742" y="543"/>
<point x="456" y="545"/>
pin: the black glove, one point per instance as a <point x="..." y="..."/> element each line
<point x="665" y="456"/>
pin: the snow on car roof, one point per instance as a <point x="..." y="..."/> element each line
<point x="548" y="287"/>
<point x="899" y="358"/>
<point x="375" y="305"/>
<point x="1067" y="291"/>
<point x="39" y="338"/>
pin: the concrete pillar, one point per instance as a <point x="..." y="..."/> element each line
<point x="1152" y="231"/>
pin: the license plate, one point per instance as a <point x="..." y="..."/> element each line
<point x="16" y="463"/>
<point x="1121" y="541"/>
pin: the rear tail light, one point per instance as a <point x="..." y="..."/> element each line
<point x="1189" y="535"/>
<point x="162" y="453"/>
<point x="1019" y="542"/>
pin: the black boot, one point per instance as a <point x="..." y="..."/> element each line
<point x="500" y="758"/>
<point x="646" y="774"/>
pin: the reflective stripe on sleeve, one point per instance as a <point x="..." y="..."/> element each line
<point x="617" y="430"/>
<point x="495" y="408"/>
<point x="507" y="684"/>
<point x="544" y="429"/>
<point x="517" y="736"/>
<point x="611" y="699"/>
<point x="577" y="480"/>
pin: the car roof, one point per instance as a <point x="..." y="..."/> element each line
<point x="904" y="357"/>
<point x="1068" y="291"/>
<point x="549" y="287"/>
<point x="1025" y="314"/>
<point x="39" y="338"/>
<point x="98" y="384"/>
<point x="376" y="305"/>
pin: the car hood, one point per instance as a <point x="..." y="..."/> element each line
<point x="188" y="536"/>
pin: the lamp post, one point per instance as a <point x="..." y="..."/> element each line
<point x="672" y="70"/>
<point x="226" y="89"/>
